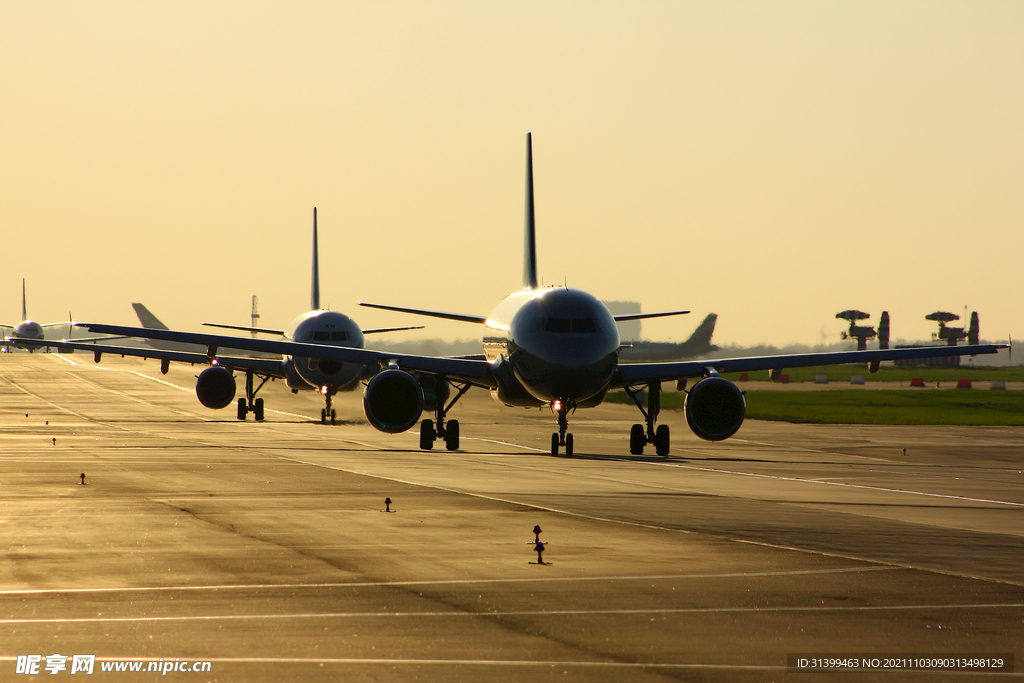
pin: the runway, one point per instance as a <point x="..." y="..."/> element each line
<point x="265" y="550"/>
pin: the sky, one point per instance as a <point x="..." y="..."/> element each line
<point x="772" y="162"/>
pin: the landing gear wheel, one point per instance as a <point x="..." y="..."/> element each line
<point x="323" y="416"/>
<point x="258" y="410"/>
<point x="427" y="435"/>
<point x="568" y="444"/>
<point x="637" y="439"/>
<point x="334" y="416"/>
<point x="242" y="409"/>
<point x="554" y="444"/>
<point x="661" y="440"/>
<point x="451" y="435"/>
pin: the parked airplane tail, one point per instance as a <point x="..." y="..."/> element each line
<point x="24" y="308"/>
<point x="883" y="330"/>
<point x="314" y="295"/>
<point x="148" y="319"/>
<point x="700" y="341"/>
<point x="530" y="245"/>
<point x="974" y="332"/>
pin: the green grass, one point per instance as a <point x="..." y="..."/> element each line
<point x="883" y="407"/>
<point x="843" y="373"/>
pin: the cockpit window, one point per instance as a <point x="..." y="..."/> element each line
<point x="584" y="325"/>
<point x="321" y="336"/>
<point x="565" y="325"/>
<point x="339" y="336"/>
<point x="557" y="325"/>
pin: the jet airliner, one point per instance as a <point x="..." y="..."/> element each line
<point x="215" y="386"/>
<point x="544" y="346"/>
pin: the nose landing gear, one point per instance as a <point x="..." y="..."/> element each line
<point x="561" y="438"/>
<point x="327" y="411"/>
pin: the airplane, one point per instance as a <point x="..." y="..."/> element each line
<point x="27" y="330"/>
<point x="545" y="346"/>
<point x="215" y="386"/>
<point x="697" y="344"/>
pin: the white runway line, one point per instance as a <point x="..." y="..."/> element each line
<point x="516" y="613"/>
<point x="452" y="662"/>
<point x="447" y="582"/>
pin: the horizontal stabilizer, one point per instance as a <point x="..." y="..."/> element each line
<point x="243" y="328"/>
<point x="434" y="314"/>
<point x="642" y="316"/>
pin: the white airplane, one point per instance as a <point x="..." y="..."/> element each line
<point x="545" y="346"/>
<point x="215" y="386"/>
<point x="27" y="330"/>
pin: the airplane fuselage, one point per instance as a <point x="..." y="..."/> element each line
<point x="329" y="328"/>
<point x="558" y="344"/>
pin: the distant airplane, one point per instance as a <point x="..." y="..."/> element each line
<point x="215" y="386"/>
<point x="697" y="344"/>
<point x="545" y="346"/>
<point x="27" y="329"/>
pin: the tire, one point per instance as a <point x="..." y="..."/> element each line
<point x="636" y="439"/>
<point x="427" y="435"/>
<point x="451" y="435"/>
<point x="258" y="410"/>
<point x="334" y="416"/>
<point x="661" y="440"/>
<point x="323" y="416"/>
<point x="554" y="444"/>
<point x="242" y="409"/>
<point x="568" y="444"/>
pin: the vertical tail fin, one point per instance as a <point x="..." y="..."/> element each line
<point x="530" y="246"/>
<point x="974" y="331"/>
<point x="24" y="308"/>
<point x="883" y="330"/>
<point x="314" y="296"/>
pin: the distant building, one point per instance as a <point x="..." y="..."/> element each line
<point x="628" y="331"/>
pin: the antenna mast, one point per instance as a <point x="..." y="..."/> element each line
<point x="255" y="313"/>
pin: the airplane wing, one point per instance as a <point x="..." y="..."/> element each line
<point x="261" y="365"/>
<point x="475" y="371"/>
<point x="640" y="373"/>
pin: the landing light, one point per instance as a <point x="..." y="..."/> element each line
<point x="323" y="390"/>
<point x="556" y="406"/>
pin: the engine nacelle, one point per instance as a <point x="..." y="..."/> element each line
<point x="715" y="408"/>
<point x="215" y="387"/>
<point x="393" y="401"/>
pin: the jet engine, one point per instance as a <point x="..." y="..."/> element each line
<point x="715" y="408"/>
<point x="393" y="401"/>
<point x="215" y="387"/>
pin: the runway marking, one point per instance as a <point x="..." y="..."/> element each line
<point x="161" y="381"/>
<point x="516" y="613"/>
<point x="444" y="582"/>
<point x="532" y="663"/>
<point x="839" y="483"/>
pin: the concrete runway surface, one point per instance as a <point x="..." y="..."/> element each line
<point x="264" y="548"/>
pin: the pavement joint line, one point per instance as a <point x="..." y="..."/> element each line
<point x="837" y="483"/>
<point x="516" y="613"/>
<point x="446" y="582"/>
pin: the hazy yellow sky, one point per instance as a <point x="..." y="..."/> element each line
<point x="773" y="162"/>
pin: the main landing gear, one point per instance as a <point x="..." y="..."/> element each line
<point x="251" y="404"/>
<point x="430" y="432"/>
<point x="560" y="438"/>
<point x="327" y="411"/>
<point x="638" y="436"/>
